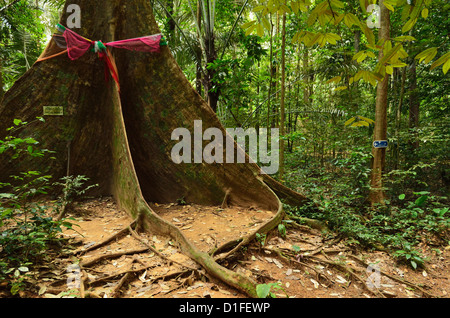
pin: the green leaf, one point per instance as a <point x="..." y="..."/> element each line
<point x="398" y="64"/>
<point x="248" y="24"/>
<point x="389" y="6"/>
<point x="335" y="79"/>
<point x="17" y="122"/>
<point x="332" y="38"/>
<point x="363" y="5"/>
<point x="337" y="4"/>
<point x="260" y="30"/>
<point x="427" y="55"/>
<point x="425" y="13"/>
<point x="446" y="67"/>
<point x="370" y="121"/>
<point x="421" y="200"/>
<point x="350" y="19"/>
<point x="443" y="59"/>
<point x="295" y="6"/>
<point x="357" y="55"/>
<point x="348" y="122"/>
<point x="23" y="269"/>
<point x="401" y="196"/>
<point x="258" y="8"/>
<point x="263" y="290"/>
<point x="404" y="38"/>
<point x="409" y="25"/>
<point x="266" y="23"/>
<point x="250" y="30"/>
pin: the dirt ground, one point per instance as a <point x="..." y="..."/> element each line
<point x="305" y="263"/>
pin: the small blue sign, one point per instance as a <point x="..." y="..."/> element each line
<point x="380" y="144"/>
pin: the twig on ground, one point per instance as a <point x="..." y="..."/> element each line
<point x="137" y="237"/>
<point x="114" y="255"/>
<point x="109" y="239"/>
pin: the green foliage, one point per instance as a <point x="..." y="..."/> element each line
<point x="397" y="227"/>
<point x="261" y="238"/>
<point x="267" y="290"/>
<point x="72" y="188"/>
<point x="282" y="230"/>
<point x="410" y="255"/>
<point x="27" y="230"/>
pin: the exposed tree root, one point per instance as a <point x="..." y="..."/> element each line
<point x="132" y="271"/>
<point x="315" y="224"/>
<point x="122" y="281"/>
<point x="114" y="255"/>
<point x="137" y="237"/>
<point x="109" y="239"/>
<point x="225" y="199"/>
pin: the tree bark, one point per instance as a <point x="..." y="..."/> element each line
<point x="398" y="119"/>
<point x="377" y="194"/>
<point x="282" y="97"/>
<point x="2" y="92"/>
<point x="414" y="104"/>
<point x="122" y="141"/>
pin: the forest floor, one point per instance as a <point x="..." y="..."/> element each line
<point x="305" y="263"/>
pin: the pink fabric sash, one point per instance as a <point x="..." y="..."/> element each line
<point x="77" y="46"/>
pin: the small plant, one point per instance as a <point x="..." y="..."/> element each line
<point x="18" y="275"/>
<point x="410" y="255"/>
<point x="265" y="290"/>
<point x="181" y="201"/>
<point x="73" y="188"/>
<point x="261" y="238"/>
<point x="282" y="230"/>
<point x="26" y="229"/>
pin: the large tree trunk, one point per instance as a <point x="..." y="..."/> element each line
<point x="122" y="141"/>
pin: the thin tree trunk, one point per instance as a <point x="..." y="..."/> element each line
<point x="414" y="104"/>
<point x="282" y="97"/>
<point x="198" y="75"/>
<point x="271" y="69"/>
<point x="2" y="92"/>
<point x="398" y="119"/>
<point x="377" y="194"/>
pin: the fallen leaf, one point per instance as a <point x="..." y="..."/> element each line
<point x="316" y="284"/>
<point x="341" y="279"/>
<point x="42" y="290"/>
<point x="277" y="262"/>
<point x="142" y="277"/>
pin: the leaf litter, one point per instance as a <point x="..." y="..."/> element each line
<point x="305" y="263"/>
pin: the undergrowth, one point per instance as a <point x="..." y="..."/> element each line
<point x="408" y="217"/>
